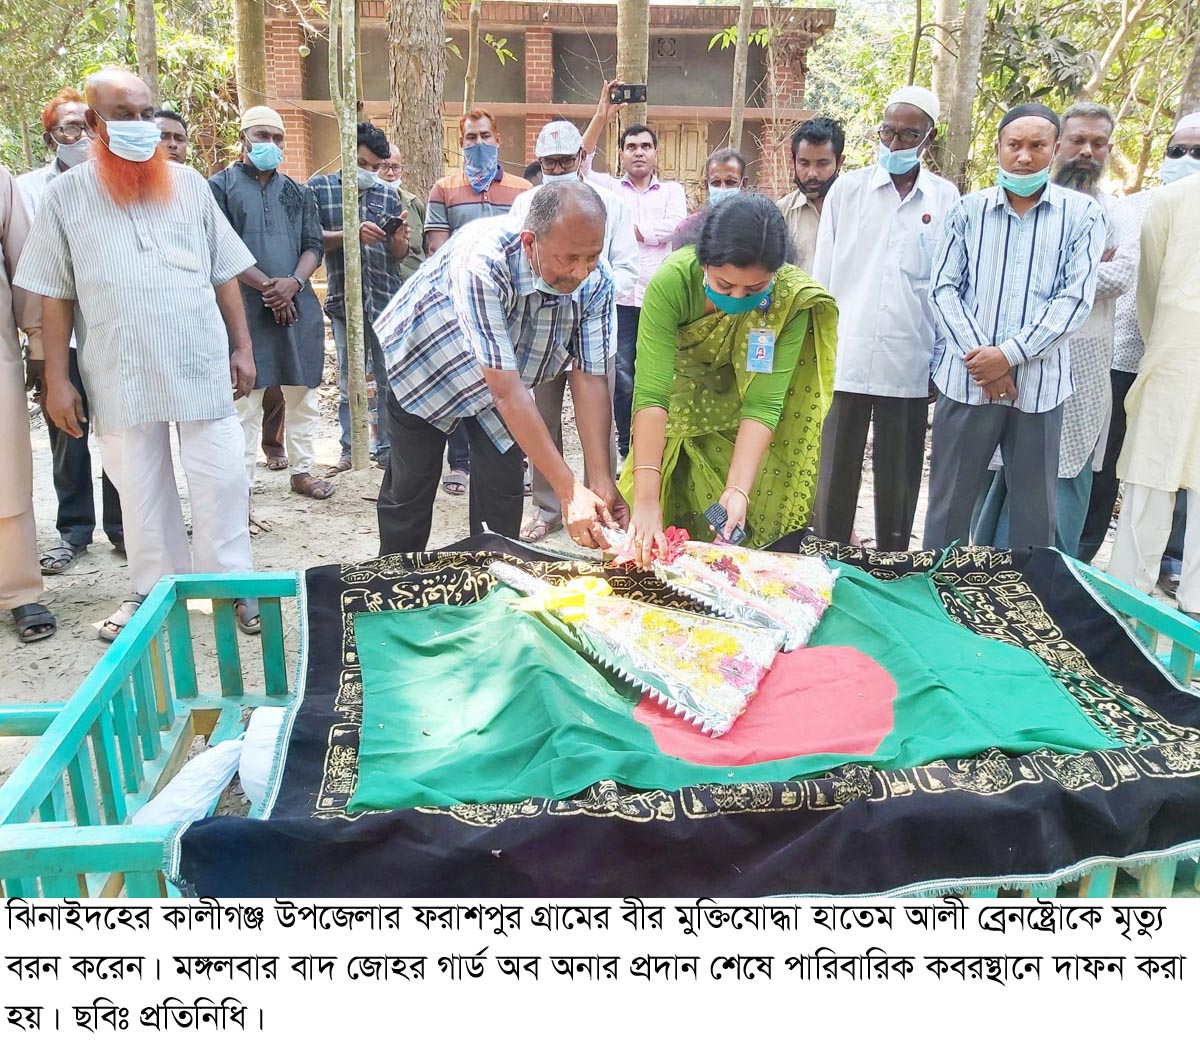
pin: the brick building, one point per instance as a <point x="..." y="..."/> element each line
<point x="562" y="53"/>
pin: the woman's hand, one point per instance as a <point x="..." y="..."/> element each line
<point x="646" y="532"/>
<point x="735" y="505"/>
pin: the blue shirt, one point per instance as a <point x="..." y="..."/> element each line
<point x="473" y="305"/>
<point x="1020" y="284"/>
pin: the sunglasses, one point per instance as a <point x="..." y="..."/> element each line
<point x="1178" y="152"/>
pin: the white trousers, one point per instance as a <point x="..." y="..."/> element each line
<point x="1143" y="529"/>
<point x="138" y="461"/>
<point x="302" y="410"/>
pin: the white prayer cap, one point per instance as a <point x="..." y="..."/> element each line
<point x="923" y="98"/>
<point x="261" y="116"/>
<point x="560" y="138"/>
<point x="1188" y="123"/>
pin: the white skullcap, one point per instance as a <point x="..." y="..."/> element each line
<point x="261" y="116"/>
<point x="1189" y="123"/>
<point x="923" y="98"/>
<point x="560" y="138"/>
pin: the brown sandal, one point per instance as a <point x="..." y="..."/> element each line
<point x="277" y="462"/>
<point x="343" y="465"/>
<point x="311" y="487"/>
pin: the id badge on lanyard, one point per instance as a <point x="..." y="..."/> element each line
<point x="760" y="351"/>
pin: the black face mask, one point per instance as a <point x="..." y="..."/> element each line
<point x="825" y="185"/>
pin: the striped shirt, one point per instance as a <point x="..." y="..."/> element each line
<point x="453" y="201"/>
<point x="143" y="275"/>
<point x="474" y="305"/>
<point x="1020" y="284"/>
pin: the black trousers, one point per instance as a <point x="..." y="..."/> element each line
<point x="899" y="453"/>
<point x="72" y="460"/>
<point x="414" y="469"/>
<point x="1105" y="483"/>
<point x="274" y="413"/>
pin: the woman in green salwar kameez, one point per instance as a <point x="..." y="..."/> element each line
<point x="707" y="426"/>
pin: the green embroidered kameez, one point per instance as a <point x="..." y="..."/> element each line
<point x="694" y="366"/>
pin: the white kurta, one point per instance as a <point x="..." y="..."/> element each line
<point x="1162" y="441"/>
<point x="874" y="253"/>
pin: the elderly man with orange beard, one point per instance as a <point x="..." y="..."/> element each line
<point x="140" y="244"/>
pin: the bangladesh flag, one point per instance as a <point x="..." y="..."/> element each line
<point x="485" y="703"/>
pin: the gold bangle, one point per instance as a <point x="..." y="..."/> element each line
<point x="735" y="487"/>
<point x="652" y="468"/>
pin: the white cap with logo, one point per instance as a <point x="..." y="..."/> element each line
<point x="560" y="138"/>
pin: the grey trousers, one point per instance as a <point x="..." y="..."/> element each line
<point x="964" y="439"/>
<point x="899" y="453"/>
<point x="549" y="399"/>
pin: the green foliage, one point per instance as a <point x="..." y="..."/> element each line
<point x="500" y="47"/>
<point x="727" y="37"/>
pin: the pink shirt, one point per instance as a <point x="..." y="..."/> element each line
<point x="656" y="211"/>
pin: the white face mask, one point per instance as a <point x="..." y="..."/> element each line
<point x="366" y="179"/>
<point x="74" y="153"/>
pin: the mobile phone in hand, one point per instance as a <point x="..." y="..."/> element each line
<point x="622" y="93"/>
<point x="390" y="225"/>
<point x="717" y="518"/>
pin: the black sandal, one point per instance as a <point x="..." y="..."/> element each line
<point x="247" y="616"/>
<point x="58" y="560"/>
<point x="34" y="622"/>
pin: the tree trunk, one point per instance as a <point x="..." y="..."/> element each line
<point x="633" y="52"/>
<point x="947" y="23"/>
<point x="918" y="32"/>
<point x="966" y="81"/>
<point x="1189" y="98"/>
<point x="343" y="83"/>
<point x="741" y="58"/>
<point x="472" y="56"/>
<point x="250" y="48"/>
<point x="146" y="43"/>
<point x="27" y="145"/>
<point x="417" y="63"/>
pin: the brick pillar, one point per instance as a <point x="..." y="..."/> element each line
<point x="787" y="84"/>
<point x="285" y="85"/>
<point x="535" y="120"/>
<point x="539" y="64"/>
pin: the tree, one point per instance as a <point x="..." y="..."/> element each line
<point x="417" y="70"/>
<point x="633" y="51"/>
<point x="147" y="44"/>
<point x="959" y="125"/>
<point x="1189" y="98"/>
<point x="343" y="91"/>
<point x="741" y="59"/>
<point x="250" y="47"/>
<point x="472" y="56"/>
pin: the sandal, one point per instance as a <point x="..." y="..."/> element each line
<point x="277" y="462"/>
<point x="456" y="482"/>
<point x="311" y="487"/>
<point x="247" y="616"/>
<point x="58" y="560"/>
<point x="536" y="529"/>
<point x="34" y="622"/>
<point x="114" y="623"/>
<point x="344" y="464"/>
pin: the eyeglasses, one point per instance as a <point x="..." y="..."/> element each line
<point x="907" y="137"/>
<point x="389" y="168"/>
<point x="1178" y="152"/>
<point x="558" y="164"/>
<point x="68" y="132"/>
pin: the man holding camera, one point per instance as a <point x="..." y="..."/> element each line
<point x="656" y="208"/>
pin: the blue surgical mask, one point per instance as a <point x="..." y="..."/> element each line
<point x="568" y="176"/>
<point x="732" y="306"/>
<point x="717" y="193"/>
<point x="538" y="283"/>
<point x="1022" y="184"/>
<point x="899" y="162"/>
<point x="266" y="156"/>
<point x="133" y="140"/>
<point x="479" y="164"/>
<point x="366" y="179"/>
<point x="1173" y="170"/>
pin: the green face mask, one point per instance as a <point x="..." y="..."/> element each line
<point x="732" y="306"/>
<point x="1022" y="184"/>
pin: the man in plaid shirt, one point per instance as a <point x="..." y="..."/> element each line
<point x="503" y="307"/>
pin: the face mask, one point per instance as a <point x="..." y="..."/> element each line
<point x="540" y="284"/>
<point x="1173" y="170"/>
<point x="74" y="153"/>
<point x="899" y="162"/>
<point x="366" y="179"/>
<point x="732" y="306"/>
<point x="266" y="156"/>
<point x="569" y="176"/>
<point x="134" y="140"/>
<point x="822" y="190"/>
<point x="717" y="193"/>
<point x="1022" y="184"/>
<point x="479" y="164"/>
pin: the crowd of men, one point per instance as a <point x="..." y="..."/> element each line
<point x="1050" y="320"/>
